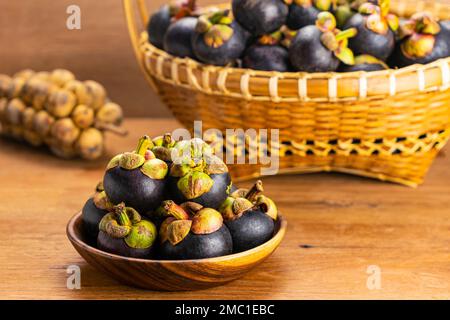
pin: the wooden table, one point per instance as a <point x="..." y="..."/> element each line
<point x="339" y="226"/>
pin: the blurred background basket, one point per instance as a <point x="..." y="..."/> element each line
<point x="388" y="125"/>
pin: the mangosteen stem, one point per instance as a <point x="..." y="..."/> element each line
<point x="348" y="33"/>
<point x="167" y="140"/>
<point x="121" y="215"/>
<point x="171" y="209"/>
<point x="255" y="191"/>
<point x="144" y="144"/>
<point x="384" y="7"/>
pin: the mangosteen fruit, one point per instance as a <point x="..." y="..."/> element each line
<point x="304" y="12"/>
<point x="376" y="30"/>
<point x="93" y="211"/>
<point x="250" y="217"/>
<point x="422" y="40"/>
<point x="321" y="47"/>
<point x="267" y="54"/>
<point x="445" y="25"/>
<point x="161" y="20"/>
<point x="218" y="39"/>
<point x="202" y="236"/>
<point x="125" y="233"/>
<point x="136" y="178"/>
<point x="261" y="17"/>
<point x="364" y="63"/>
<point x="197" y="175"/>
<point x="178" y="38"/>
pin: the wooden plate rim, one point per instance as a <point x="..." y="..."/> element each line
<point x="277" y="238"/>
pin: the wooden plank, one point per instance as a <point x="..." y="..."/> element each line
<point x="338" y="226"/>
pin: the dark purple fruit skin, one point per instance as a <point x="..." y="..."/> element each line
<point x="211" y="199"/>
<point x="196" y="246"/>
<point x="445" y="25"/>
<point x="368" y="42"/>
<point x="300" y="16"/>
<point x="157" y="26"/>
<point x="91" y="216"/>
<point x="252" y="229"/>
<point x="266" y="58"/>
<point x="441" y="50"/>
<point x="134" y="188"/>
<point x="260" y="17"/>
<point x="225" y="54"/>
<point x="361" y="67"/>
<point x="307" y="53"/>
<point x="178" y="38"/>
<point x="119" y="247"/>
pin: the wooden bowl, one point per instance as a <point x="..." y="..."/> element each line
<point x="166" y="275"/>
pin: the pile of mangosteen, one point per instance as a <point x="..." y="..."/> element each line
<point x="299" y="35"/>
<point x="175" y="201"/>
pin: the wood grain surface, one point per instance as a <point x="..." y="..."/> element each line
<point x="339" y="226"/>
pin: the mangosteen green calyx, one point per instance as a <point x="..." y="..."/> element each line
<point x="137" y="178"/>
<point x="94" y="210"/>
<point x="162" y="147"/>
<point x="267" y="54"/>
<point x="343" y="12"/>
<point x="261" y="17"/>
<point x="320" y="48"/>
<point x="178" y="38"/>
<point x="160" y="21"/>
<point x="218" y="39"/>
<point x="423" y="40"/>
<point x="250" y="217"/>
<point x="345" y="9"/>
<point x="376" y="27"/>
<point x="125" y="233"/>
<point x="202" y="236"/>
<point x="304" y="12"/>
<point x="198" y="176"/>
<point x="365" y="63"/>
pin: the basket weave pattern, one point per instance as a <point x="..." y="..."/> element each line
<point x="386" y="124"/>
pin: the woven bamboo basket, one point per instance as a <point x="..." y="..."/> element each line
<point x="388" y="124"/>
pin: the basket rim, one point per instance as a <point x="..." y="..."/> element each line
<point x="148" y="47"/>
<point x="340" y="86"/>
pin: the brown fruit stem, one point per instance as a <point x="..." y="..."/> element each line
<point x="167" y="140"/>
<point x="255" y="191"/>
<point x="111" y="128"/>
